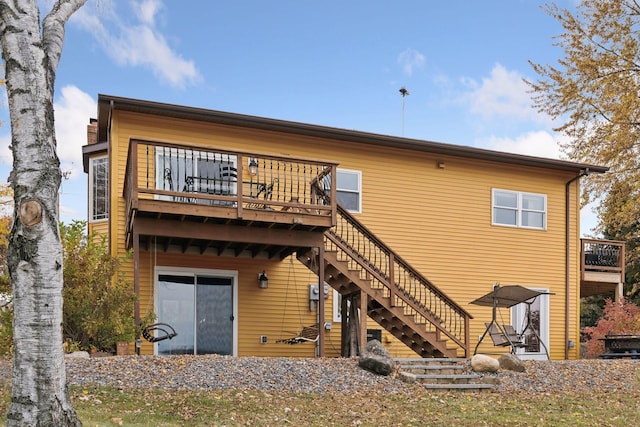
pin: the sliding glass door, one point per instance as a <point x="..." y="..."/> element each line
<point x="201" y="308"/>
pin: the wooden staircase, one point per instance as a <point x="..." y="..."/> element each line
<point x="443" y="374"/>
<point x="399" y="298"/>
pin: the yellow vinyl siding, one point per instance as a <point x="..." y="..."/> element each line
<point x="438" y="219"/>
<point x="99" y="227"/>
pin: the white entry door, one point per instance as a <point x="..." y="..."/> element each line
<point x="531" y="319"/>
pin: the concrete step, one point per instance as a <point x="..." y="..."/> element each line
<point x="428" y="360"/>
<point x="430" y="368"/>
<point x="442" y="374"/>
<point x="466" y="387"/>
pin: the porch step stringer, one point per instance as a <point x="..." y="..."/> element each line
<point x="399" y="298"/>
<point x="394" y="319"/>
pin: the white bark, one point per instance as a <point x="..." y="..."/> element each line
<point x="39" y="395"/>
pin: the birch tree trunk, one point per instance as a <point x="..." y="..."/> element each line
<point x="31" y="53"/>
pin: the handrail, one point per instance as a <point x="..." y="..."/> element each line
<point x="397" y="279"/>
<point x="602" y="255"/>
<point x="192" y="174"/>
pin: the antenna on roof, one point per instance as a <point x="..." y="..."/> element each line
<point x="404" y="92"/>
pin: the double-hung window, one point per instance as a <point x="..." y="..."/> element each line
<point x="349" y="189"/>
<point x="518" y="209"/>
<point x="98" y="188"/>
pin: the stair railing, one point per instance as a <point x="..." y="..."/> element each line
<point x="397" y="279"/>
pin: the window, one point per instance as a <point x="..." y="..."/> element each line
<point x="516" y="209"/>
<point x="349" y="189"/>
<point x="98" y="189"/>
<point x="185" y="170"/>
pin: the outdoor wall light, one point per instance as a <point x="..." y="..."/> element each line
<point x="253" y="167"/>
<point x="263" y="280"/>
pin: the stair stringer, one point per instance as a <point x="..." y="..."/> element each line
<point x="380" y="308"/>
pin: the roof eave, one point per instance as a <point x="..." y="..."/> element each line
<point x="107" y="103"/>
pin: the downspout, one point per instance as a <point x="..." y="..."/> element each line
<point x="567" y="271"/>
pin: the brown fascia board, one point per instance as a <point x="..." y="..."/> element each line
<point x="108" y="103"/>
<point x="87" y="150"/>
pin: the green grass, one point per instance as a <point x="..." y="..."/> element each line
<point x="106" y="406"/>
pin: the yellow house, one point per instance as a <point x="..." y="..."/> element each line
<point x="235" y="223"/>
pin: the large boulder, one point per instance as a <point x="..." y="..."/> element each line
<point x="511" y="362"/>
<point x="376" y="358"/>
<point x="484" y="363"/>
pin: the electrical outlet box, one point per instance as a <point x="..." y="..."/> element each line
<point x="263" y="339"/>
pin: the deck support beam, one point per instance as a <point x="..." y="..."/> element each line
<point x="227" y="233"/>
<point x="321" y="305"/>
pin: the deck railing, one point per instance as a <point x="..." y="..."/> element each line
<point x="602" y="256"/>
<point x="397" y="279"/>
<point x="224" y="178"/>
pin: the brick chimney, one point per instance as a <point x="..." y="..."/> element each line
<point x="92" y="131"/>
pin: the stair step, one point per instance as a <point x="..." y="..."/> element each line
<point x="443" y="373"/>
<point x="450" y="360"/>
<point x="437" y="367"/>
<point x="446" y="378"/>
<point x="473" y="386"/>
<point x="394" y="315"/>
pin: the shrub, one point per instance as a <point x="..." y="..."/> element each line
<point x="6" y="317"/>
<point x="618" y="318"/>
<point x="6" y="329"/>
<point x="98" y="301"/>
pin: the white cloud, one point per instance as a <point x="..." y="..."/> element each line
<point x="73" y="109"/>
<point x="138" y="43"/>
<point x="146" y="10"/>
<point x="6" y="156"/>
<point x="502" y="94"/>
<point x="410" y="60"/>
<point x="535" y="143"/>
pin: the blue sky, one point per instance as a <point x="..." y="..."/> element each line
<point x="334" y="63"/>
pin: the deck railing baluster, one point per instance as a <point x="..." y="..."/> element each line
<point x="365" y="249"/>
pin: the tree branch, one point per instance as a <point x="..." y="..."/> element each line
<point x="53" y="29"/>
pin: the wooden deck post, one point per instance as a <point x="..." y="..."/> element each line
<point x="344" y="323"/>
<point x="321" y="304"/>
<point x="136" y="275"/>
<point x="354" y="328"/>
<point x="363" y="299"/>
<point x="392" y="283"/>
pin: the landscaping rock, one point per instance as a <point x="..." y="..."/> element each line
<point x="511" y="362"/>
<point x="407" y="377"/>
<point x="483" y="363"/>
<point x="375" y="358"/>
<point x="77" y="355"/>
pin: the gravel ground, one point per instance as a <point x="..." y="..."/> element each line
<point x="327" y="375"/>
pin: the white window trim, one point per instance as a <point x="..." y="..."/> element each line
<point x="91" y="189"/>
<point x="359" y="191"/>
<point x="518" y="209"/>
<point x="518" y="313"/>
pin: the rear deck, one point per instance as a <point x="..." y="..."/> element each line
<point x="207" y="200"/>
<point x="601" y="267"/>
